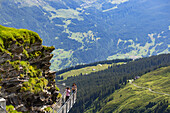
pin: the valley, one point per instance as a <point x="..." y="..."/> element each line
<point x="116" y="51"/>
<point x="86" y="31"/>
<point x="102" y="86"/>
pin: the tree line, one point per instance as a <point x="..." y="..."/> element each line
<point x="92" y="64"/>
<point x="98" y="85"/>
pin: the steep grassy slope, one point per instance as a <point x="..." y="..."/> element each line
<point x="138" y="99"/>
<point x="85" y="31"/>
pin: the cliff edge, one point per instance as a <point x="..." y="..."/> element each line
<point x="26" y="81"/>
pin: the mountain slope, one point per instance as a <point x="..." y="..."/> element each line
<point x="89" y="68"/>
<point x="84" y="31"/>
<point x="139" y="99"/>
<point x="95" y="87"/>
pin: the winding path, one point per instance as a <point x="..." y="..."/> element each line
<point x="148" y="89"/>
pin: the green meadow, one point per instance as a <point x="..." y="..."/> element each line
<point x="87" y="70"/>
<point x="132" y="98"/>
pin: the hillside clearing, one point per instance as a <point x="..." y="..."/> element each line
<point x="87" y="70"/>
<point x="151" y="87"/>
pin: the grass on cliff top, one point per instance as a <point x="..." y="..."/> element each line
<point x="131" y="97"/>
<point x="87" y="70"/>
<point x="19" y="36"/>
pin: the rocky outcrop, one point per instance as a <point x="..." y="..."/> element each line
<point x="26" y="81"/>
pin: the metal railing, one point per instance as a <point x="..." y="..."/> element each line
<point x="2" y="105"/>
<point x="65" y="108"/>
<point x="68" y="104"/>
<point x="65" y="105"/>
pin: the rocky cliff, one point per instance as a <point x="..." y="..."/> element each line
<point x="26" y="81"/>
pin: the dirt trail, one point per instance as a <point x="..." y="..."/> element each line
<point x="149" y="89"/>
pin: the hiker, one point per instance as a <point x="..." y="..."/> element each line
<point x="74" y="88"/>
<point x="67" y="93"/>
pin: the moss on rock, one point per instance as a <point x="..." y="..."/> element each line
<point x="24" y="69"/>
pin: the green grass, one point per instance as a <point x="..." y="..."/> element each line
<point x="138" y="50"/>
<point x="89" y="36"/>
<point x="131" y="97"/>
<point x="60" y="54"/>
<point x="11" y="109"/>
<point x="36" y="82"/>
<point x="21" y="37"/>
<point x="64" y="13"/>
<point x="158" y="80"/>
<point x="24" y="38"/>
<point x="87" y="70"/>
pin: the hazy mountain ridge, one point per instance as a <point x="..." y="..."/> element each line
<point x="85" y="31"/>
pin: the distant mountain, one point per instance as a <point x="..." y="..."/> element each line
<point x="84" y="31"/>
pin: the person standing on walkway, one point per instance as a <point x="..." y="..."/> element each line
<point x="74" y="88"/>
<point x="67" y="93"/>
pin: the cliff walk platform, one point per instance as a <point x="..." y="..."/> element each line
<point x="63" y="105"/>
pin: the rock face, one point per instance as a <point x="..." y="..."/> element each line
<point x="26" y="81"/>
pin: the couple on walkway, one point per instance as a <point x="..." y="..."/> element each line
<point x="74" y="89"/>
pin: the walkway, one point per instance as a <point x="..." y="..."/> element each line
<point x="68" y="104"/>
<point x="64" y="106"/>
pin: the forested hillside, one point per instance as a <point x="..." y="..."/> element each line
<point x="89" y="68"/>
<point x="85" y="31"/>
<point x="149" y="94"/>
<point x="94" y="87"/>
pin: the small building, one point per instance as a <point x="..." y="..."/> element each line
<point x="137" y="77"/>
<point x="99" y="64"/>
<point x="130" y="81"/>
